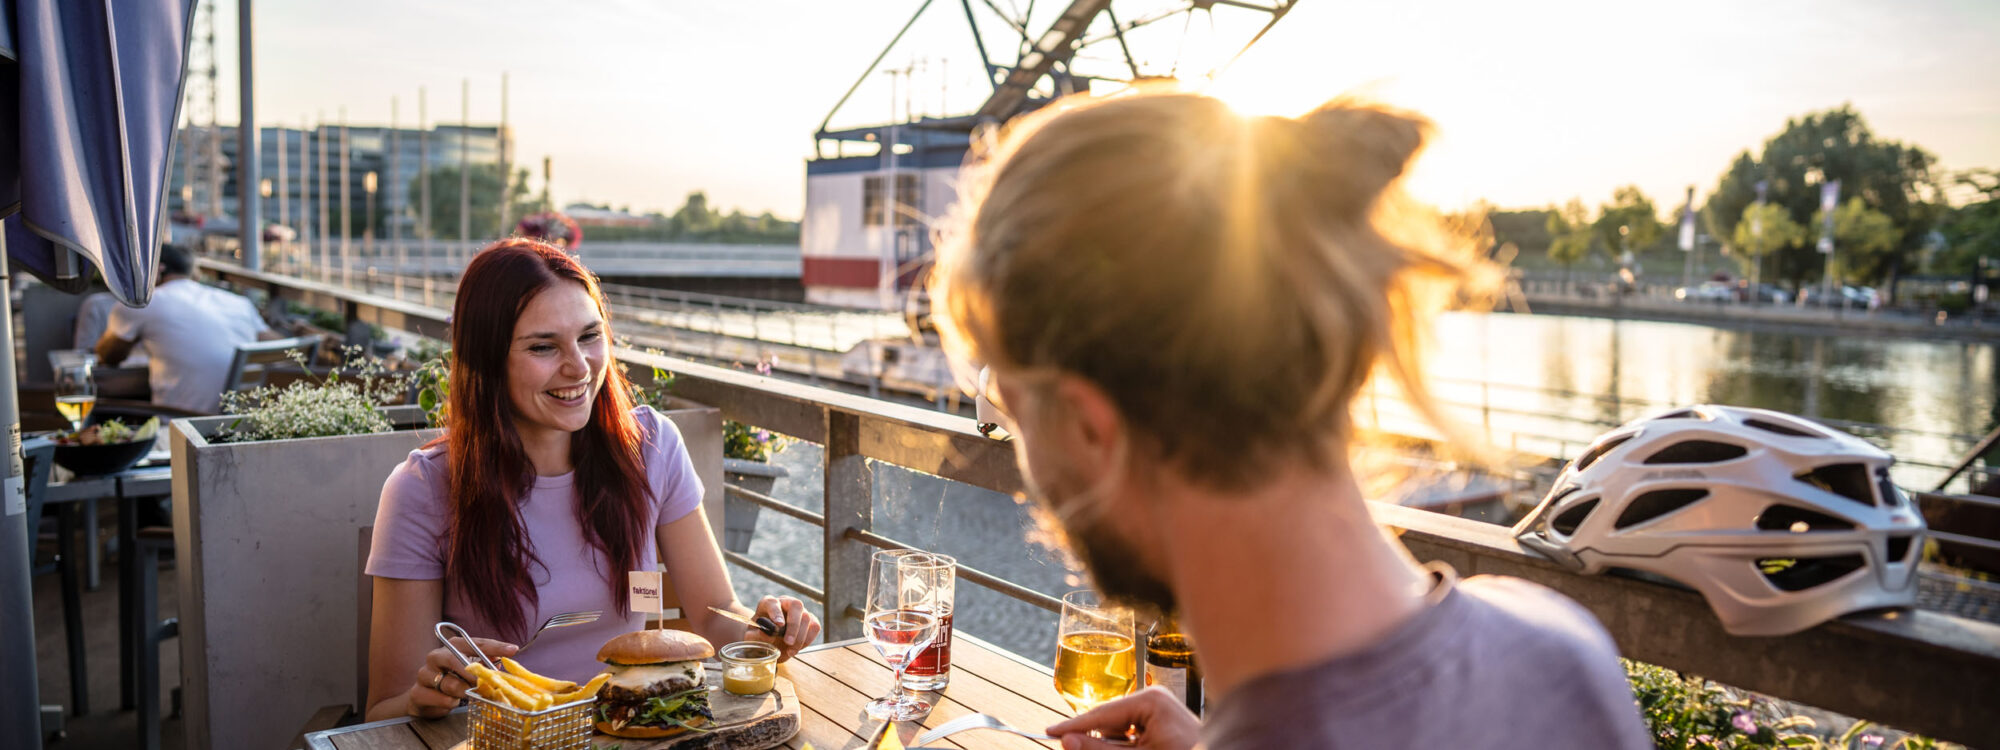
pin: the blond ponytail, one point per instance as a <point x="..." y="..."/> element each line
<point x="1231" y="282"/>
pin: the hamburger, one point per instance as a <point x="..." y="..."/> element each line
<point x="655" y="686"/>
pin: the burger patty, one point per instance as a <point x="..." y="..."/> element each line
<point x="616" y="694"/>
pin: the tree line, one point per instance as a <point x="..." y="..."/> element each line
<point x="694" y="221"/>
<point x="1899" y="214"/>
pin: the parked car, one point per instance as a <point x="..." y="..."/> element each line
<point x="1709" y="291"/>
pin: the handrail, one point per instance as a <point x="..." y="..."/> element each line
<point x="1918" y="671"/>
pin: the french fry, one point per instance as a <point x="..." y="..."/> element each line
<point x="589" y="690"/>
<point x="502" y="688"/>
<point x="522" y="684"/>
<point x="547" y="684"/>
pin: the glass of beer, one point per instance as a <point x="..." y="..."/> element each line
<point x="76" y="393"/>
<point x="1096" y="656"/>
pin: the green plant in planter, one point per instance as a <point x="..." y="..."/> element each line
<point x="742" y="441"/>
<point x="1685" y="711"/>
<point x="345" y="402"/>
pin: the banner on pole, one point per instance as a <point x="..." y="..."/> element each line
<point x="1829" y="201"/>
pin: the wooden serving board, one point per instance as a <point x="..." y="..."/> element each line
<point x="752" y="723"/>
<point x="741" y="723"/>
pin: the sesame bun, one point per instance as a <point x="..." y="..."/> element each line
<point x="655" y="647"/>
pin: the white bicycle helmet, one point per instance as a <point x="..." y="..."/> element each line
<point x="1779" y="522"/>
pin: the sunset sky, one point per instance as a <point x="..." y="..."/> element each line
<point x="639" y="102"/>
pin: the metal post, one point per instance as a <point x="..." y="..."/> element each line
<point x="465" y="173"/>
<point x="284" y="184"/>
<point x="20" y="697"/>
<point x="325" y="226"/>
<point x="424" y="178"/>
<point x="850" y="494"/>
<point x="346" y="209"/>
<point x="506" y="161"/>
<point x="249" y="224"/>
<point x="305" y="185"/>
<point x="395" y="176"/>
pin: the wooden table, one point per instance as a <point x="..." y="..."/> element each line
<point x="834" y="682"/>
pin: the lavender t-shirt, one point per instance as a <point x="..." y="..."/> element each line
<point x="1493" y="662"/>
<point x="414" y="519"/>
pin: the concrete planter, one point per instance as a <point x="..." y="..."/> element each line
<point x="739" y="515"/>
<point x="267" y="557"/>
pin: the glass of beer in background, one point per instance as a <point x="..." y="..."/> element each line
<point x="930" y="669"/>
<point x="76" y="391"/>
<point x="1096" y="656"/>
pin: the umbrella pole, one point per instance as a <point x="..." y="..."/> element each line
<point x="20" y="701"/>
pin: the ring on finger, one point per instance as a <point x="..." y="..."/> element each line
<point x="437" y="683"/>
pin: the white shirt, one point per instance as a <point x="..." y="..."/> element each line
<point x="93" y="317"/>
<point x="191" y="332"/>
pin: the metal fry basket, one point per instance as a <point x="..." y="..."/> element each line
<point x="498" y="725"/>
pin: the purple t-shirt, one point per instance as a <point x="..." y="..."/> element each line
<point x="1493" y="662"/>
<point x="412" y="523"/>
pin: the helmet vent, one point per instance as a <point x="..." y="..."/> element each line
<point x="1890" y="496"/>
<point x="1778" y="428"/>
<point x="1846" y="480"/>
<point x="1799" y="574"/>
<point x="1590" y="457"/>
<point x="1799" y="520"/>
<point x="1682" y="414"/>
<point x="1697" y="452"/>
<point x="1899" y="548"/>
<point x="1657" y="503"/>
<point x="1566" y="522"/>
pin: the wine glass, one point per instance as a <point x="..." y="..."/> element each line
<point x="901" y="620"/>
<point x="76" y="393"/>
<point x="1097" y="658"/>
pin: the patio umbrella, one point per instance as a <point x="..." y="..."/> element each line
<point x="90" y="93"/>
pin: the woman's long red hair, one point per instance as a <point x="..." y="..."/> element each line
<point x="488" y="559"/>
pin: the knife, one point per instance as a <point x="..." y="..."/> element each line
<point x="761" y="623"/>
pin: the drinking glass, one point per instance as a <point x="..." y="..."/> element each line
<point x="901" y="620"/>
<point x="76" y="393"/>
<point x="1096" y="654"/>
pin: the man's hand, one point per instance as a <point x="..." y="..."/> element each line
<point x="1156" y="718"/>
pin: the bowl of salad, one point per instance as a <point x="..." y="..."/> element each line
<point x="106" y="446"/>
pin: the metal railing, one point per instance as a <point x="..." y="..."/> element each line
<point x="1918" y="671"/>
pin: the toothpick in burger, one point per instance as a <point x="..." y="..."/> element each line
<point x="655" y="687"/>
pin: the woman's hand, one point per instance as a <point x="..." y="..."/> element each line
<point x="1163" y="723"/>
<point x="800" y="628"/>
<point x="442" y="680"/>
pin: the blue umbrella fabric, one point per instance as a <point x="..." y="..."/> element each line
<point x="88" y="109"/>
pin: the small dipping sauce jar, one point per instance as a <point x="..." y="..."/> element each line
<point x="749" y="667"/>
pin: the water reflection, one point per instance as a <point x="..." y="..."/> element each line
<point x="1586" y="374"/>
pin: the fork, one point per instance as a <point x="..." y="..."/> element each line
<point x="563" y="620"/>
<point x="982" y="721"/>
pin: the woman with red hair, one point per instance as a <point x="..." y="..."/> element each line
<point x="547" y="486"/>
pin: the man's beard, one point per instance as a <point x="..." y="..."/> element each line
<point x="1112" y="562"/>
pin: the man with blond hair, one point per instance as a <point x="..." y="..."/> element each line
<point x="1178" y="305"/>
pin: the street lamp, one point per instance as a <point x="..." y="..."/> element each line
<point x="368" y="232"/>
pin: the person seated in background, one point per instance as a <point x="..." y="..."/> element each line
<point x="1179" y="304"/>
<point x="93" y="316"/>
<point x="190" y="331"/>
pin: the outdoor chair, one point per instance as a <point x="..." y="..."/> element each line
<point x="252" y="361"/>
